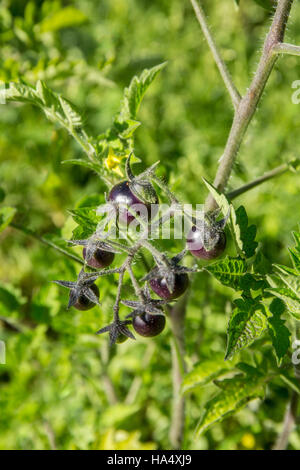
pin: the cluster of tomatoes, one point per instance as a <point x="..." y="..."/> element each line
<point x="124" y="195"/>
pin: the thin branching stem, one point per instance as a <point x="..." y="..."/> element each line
<point x="135" y="283"/>
<point x="245" y="109"/>
<point x="285" y="48"/>
<point x="164" y="187"/>
<point x="261" y="179"/>
<point x="225" y="74"/>
<point x="118" y="297"/>
<point x="159" y="257"/>
<point x="43" y="240"/>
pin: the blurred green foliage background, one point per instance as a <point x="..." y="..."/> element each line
<point x="59" y="387"/>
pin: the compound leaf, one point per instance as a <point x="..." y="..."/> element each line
<point x="205" y="372"/>
<point x="235" y="394"/>
<point x="247" y="234"/>
<point x="87" y="221"/>
<point x="247" y="323"/>
<point x="71" y="112"/>
<point x="229" y="271"/>
<point x="279" y="333"/>
<point x="286" y="283"/>
<point x="134" y="94"/>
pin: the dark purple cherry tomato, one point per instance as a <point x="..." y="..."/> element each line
<point x="149" y="325"/>
<point x="122" y="195"/>
<point x="83" y="303"/>
<point x="159" y="286"/>
<point x="100" y="258"/>
<point x="195" y="245"/>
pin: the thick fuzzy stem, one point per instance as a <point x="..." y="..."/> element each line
<point x="248" y="104"/>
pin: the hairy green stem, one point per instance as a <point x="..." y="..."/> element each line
<point x="118" y="298"/>
<point x="248" y="104"/>
<point x="135" y="283"/>
<point x="261" y="179"/>
<point x="157" y="255"/>
<point x="285" y="48"/>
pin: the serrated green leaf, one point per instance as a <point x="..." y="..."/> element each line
<point x="284" y="291"/>
<point x="250" y="371"/>
<point x="261" y="264"/>
<point x="286" y="269"/>
<point x="22" y="93"/>
<point x="125" y="129"/>
<point x="134" y="94"/>
<point x="292" y="283"/>
<point x="85" y="215"/>
<point x="235" y="395"/>
<point x="56" y="109"/>
<point x="279" y="333"/>
<point x="45" y="94"/>
<point x="295" y="258"/>
<point x="226" y="207"/>
<point x="6" y="216"/>
<point x="205" y="372"/>
<point x="296" y="236"/>
<point x="54" y="102"/>
<point x="292" y="303"/>
<point x="232" y="272"/>
<point x="247" y="234"/>
<point x="229" y="271"/>
<point x="247" y="323"/>
<point x="286" y="283"/>
<point x="71" y="112"/>
<point x="220" y="198"/>
<point x="87" y="219"/>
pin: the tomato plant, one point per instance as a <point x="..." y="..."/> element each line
<point x="177" y="324"/>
